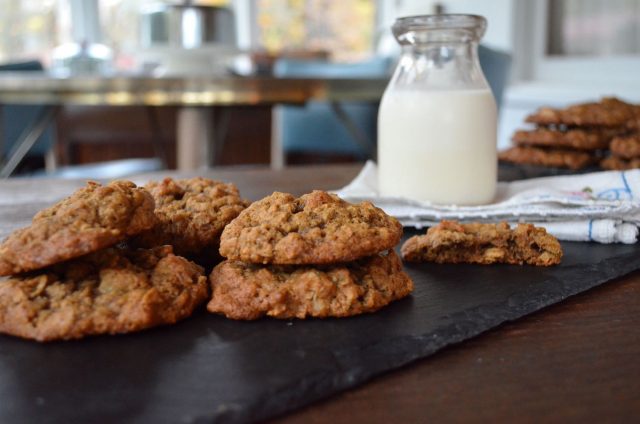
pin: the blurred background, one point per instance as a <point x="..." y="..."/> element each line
<point x="554" y="52"/>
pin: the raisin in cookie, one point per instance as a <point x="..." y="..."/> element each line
<point x="106" y="292"/>
<point x="192" y="214"/>
<point x="90" y="219"/>
<point x="247" y="291"/>
<point x="452" y="242"/>
<point x="317" y="228"/>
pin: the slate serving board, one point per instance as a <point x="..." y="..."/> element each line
<point x="210" y="369"/>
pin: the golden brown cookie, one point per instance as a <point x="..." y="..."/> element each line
<point x="614" y="163"/>
<point x="626" y="147"/>
<point x="90" y="219"/>
<point x="317" y="228"/>
<point x="557" y="158"/>
<point x="192" y="214"/>
<point x="106" y="292"/>
<point x="246" y="291"/>
<point x="609" y="112"/>
<point x="452" y="242"/>
<point x="579" y="139"/>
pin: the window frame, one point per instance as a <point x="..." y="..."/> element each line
<point x="531" y="63"/>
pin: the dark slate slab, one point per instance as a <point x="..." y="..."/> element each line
<point x="209" y="369"/>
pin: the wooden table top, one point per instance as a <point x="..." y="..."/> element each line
<point x="576" y="361"/>
<point x="221" y="90"/>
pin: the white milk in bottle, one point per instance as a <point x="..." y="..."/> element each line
<point x="438" y="146"/>
<point x="437" y="118"/>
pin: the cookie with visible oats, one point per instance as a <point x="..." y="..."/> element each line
<point x="92" y="218"/>
<point x="557" y="158"/>
<point x="106" y="292"/>
<point x="609" y="112"/>
<point x="317" y="228"/>
<point x="478" y="243"/>
<point x="191" y="214"/>
<point x="614" y="163"/>
<point x="626" y="147"/>
<point x="247" y="291"/>
<point x="579" y="139"/>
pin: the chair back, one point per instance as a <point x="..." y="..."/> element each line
<point x="15" y="118"/>
<point x="315" y="128"/>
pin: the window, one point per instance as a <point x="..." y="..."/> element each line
<point x="589" y="42"/>
<point x="593" y="28"/>
<point x="344" y="30"/>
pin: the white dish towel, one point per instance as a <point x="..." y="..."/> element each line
<point x="602" y="206"/>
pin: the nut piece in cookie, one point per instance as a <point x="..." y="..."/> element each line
<point x="192" y="214"/>
<point x="245" y="291"/>
<point x="90" y="219"/>
<point x="106" y="292"/>
<point x="317" y="228"/>
<point x="556" y="158"/>
<point x="452" y="242"/>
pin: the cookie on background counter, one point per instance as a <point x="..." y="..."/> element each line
<point x="579" y="139"/>
<point x="614" y="163"/>
<point x="608" y="112"/>
<point x="111" y="291"/>
<point x="557" y="158"/>
<point x="247" y="291"/>
<point x="191" y="214"/>
<point x="92" y="218"/>
<point x="479" y="243"/>
<point x="627" y="147"/>
<point x="317" y="228"/>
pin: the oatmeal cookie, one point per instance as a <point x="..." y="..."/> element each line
<point x="557" y="158"/>
<point x="614" y="163"/>
<point x="106" y="292"/>
<point x="626" y="147"/>
<point x="452" y="242"/>
<point x="192" y="214"/>
<point x="246" y="291"/>
<point x="317" y="228"/>
<point x="609" y="112"/>
<point x="90" y="219"/>
<point x="579" y="139"/>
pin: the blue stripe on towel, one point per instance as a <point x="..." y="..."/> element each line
<point x="590" y="229"/>
<point x="626" y="184"/>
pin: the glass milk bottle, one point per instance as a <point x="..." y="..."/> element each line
<point x="437" y="118"/>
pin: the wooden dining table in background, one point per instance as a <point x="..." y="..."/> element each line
<point x="576" y="361"/>
<point x="194" y="95"/>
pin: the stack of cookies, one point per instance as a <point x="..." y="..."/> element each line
<point x="313" y="256"/>
<point x="75" y="270"/>
<point x="625" y="153"/>
<point x="576" y="137"/>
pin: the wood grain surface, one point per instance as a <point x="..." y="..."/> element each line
<point x="573" y="362"/>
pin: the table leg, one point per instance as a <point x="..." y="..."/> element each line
<point x="28" y="138"/>
<point x="194" y="137"/>
<point x="277" y="149"/>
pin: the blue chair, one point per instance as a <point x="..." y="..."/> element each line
<point x="15" y="118"/>
<point x="496" y="66"/>
<point x="317" y="127"/>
